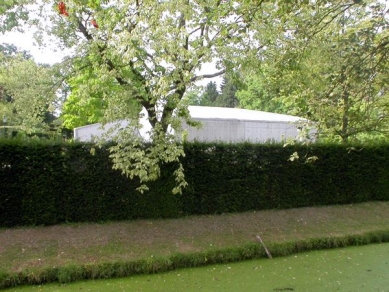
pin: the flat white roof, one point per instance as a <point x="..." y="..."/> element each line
<point x="218" y="113"/>
<point x="208" y="112"/>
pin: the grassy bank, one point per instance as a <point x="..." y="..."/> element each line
<point x="72" y="252"/>
<point x="359" y="268"/>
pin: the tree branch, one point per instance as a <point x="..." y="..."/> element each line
<point x="83" y="30"/>
<point x="221" y="72"/>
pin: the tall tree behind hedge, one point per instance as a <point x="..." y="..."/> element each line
<point x="153" y="50"/>
<point x="28" y="96"/>
<point x="330" y="67"/>
<point x="227" y="97"/>
<point x="210" y="95"/>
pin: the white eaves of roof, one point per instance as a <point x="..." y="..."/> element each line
<point x="207" y="112"/>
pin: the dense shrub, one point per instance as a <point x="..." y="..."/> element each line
<point x="233" y="178"/>
<point x="54" y="183"/>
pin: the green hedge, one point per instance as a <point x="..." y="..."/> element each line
<point x="227" y="178"/>
<point x="55" y="183"/>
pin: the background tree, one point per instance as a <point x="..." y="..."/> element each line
<point x="329" y="67"/>
<point x="193" y="97"/>
<point x="210" y="95"/>
<point x="13" y="13"/>
<point x="12" y="50"/>
<point x="258" y="94"/>
<point x="227" y="97"/>
<point x="152" y="50"/>
<point x="28" y="90"/>
<point x="84" y="105"/>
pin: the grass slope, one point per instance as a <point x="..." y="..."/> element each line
<point x="72" y="252"/>
<point x="361" y="268"/>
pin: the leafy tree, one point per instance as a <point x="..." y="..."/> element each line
<point x="13" y="13"/>
<point x="210" y="95"/>
<point x="259" y="95"/>
<point x="150" y="52"/>
<point x="84" y="105"/>
<point x="193" y="97"/>
<point x="12" y="50"/>
<point x="9" y="50"/>
<point x="330" y="67"/>
<point x="227" y="98"/>
<point x="27" y="91"/>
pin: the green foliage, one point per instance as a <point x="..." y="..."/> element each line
<point x="210" y="94"/>
<point x="324" y="60"/>
<point x="329" y="67"/>
<point x="212" y="97"/>
<point x="82" y="108"/>
<point x="192" y="97"/>
<point x="80" y="187"/>
<point x="13" y="13"/>
<point x="258" y="95"/>
<point x="91" y="100"/>
<point x="12" y="50"/>
<point x="54" y="183"/>
<point x="227" y="97"/>
<point x="151" y="53"/>
<point x="28" y="91"/>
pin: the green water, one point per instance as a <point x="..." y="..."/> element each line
<point x="364" y="268"/>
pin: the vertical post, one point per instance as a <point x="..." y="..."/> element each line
<point x="264" y="246"/>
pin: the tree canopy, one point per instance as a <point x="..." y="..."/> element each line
<point x="330" y="67"/>
<point x="211" y="96"/>
<point x="140" y="57"/>
<point x="150" y="52"/>
<point x="28" y="91"/>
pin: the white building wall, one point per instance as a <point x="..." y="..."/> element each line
<point x="241" y="131"/>
<point x="218" y="124"/>
<point x="90" y="132"/>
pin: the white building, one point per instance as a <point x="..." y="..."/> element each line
<point x="220" y="124"/>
